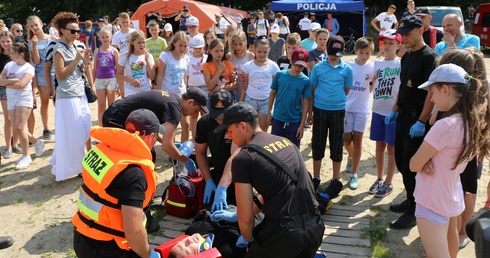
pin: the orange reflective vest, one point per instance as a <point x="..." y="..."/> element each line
<point x="99" y="215"/>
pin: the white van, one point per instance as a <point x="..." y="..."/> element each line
<point x="438" y="13"/>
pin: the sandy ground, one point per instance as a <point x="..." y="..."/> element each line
<point x="36" y="210"/>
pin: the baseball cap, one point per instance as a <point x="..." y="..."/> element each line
<point x="300" y="57"/>
<point x="219" y="101"/>
<point x="312" y="14"/>
<point x="199" y="96"/>
<point x="275" y="28"/>
<point x="238" y="112"/>
<point x="186" y="7"/>
<point x="192" y="21"/>
<point x="422" y="11"/>
<point x="168" y="27"/>
<point x="408" y="24"/>
<point x="335" y="46"/>
<point x="448" y="73"/>
<point x="143" y="121"/>
<point x="100" y="20"/>
<point x="197" y="41"/>
<point x="159" y="13"/>
<point x="315" y="26"/>
<point x="390" y="34"/>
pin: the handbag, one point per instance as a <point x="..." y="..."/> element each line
<point x="185" y="195"/>
<point x="91" y="96"/>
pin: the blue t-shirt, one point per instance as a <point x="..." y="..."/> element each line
<point x="290" y="90"/>
<point x="331" y="82"/>
<point x="467" y="40"/>
<point x="308" y="44"/>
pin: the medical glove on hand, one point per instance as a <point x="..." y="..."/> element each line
<point x="390" y="118"/>
<point x="219" y="199"/>
<point x="417" y="130"/>
<point x="208" y="191"/>
<point x="223" y="215"/>
<point x="191" y="167"/>
<point x="241" y="243"/>
<point x="154" y="254"/>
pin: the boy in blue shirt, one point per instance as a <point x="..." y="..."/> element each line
<point x="330" y="81"/>
<point x="292" y="90"/>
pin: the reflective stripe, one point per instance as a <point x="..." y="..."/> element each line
<point x="88" y="206"/>
<point x="182" y="205"/>
<point x="144" y="219"/>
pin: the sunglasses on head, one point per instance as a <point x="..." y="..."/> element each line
<point x="72" y="31"/>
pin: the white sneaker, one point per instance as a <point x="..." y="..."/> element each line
<point x="7" y="154"/>
<point x="24" y="162"/>
<point x="39" y="147"/>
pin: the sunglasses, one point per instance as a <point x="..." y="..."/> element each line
<point x="72" y="31"/>
<point x="19" y="30"/>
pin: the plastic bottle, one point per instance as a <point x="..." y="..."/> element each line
<point x="187" y="148"/>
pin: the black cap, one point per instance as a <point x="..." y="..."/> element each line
<point x="186" y="7"/>
<point x="422" y="11"/>
<point x="143" y="121"/>
<point x="159" y="13"/>
<point x="199" y="96"/>
<point x="408" y="24"/>
<point x="335" y="46"/>
<point x="219" y="101"/>
<point x="238" y="112"/>
<point x="100" y="20"/>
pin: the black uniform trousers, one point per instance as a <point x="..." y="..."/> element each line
<point x="298" y="236"/>
<point x="405" y="146"/>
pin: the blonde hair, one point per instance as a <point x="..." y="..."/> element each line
<point x="14" y="26"/>
<point x="88" y="24"/>
<point x="131" y="38"/>
<point x="106" y="30"/>
<point x="30" y="18"/>
<point x="241" y="36"/>
<point x="179" y="35"/>
<point x="293" y="38"/>
<point x="124" y="15"/>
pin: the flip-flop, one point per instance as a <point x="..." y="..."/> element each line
<point x="464" y="243"/>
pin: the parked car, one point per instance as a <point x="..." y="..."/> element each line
<point x="83" y="30"/>
<point x="438" y="13"/>
<point x="481" y="25"/>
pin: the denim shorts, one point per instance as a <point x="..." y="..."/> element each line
<point x="261" y="105"/>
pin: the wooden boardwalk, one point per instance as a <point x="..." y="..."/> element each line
<point x="342" y="237"/>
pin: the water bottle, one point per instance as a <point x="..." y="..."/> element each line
<point x="187" y="148"/>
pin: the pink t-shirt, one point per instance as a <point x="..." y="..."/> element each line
<point x="442" y="192"/>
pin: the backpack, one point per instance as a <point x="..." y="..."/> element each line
<point x="266" y="22"/>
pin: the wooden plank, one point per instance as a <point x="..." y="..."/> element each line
<point x="350" y="226"/>
<point x="158" y="240"/>
<point x="343" y="249"/>
<point x="177" y="219"/>
<point x="337" y="255"/>
<point x="339" y="212"/>
<point x="348" y="241"/>
<point x="342" y="232"/>
<point x="356" y="208"/>
<point x="346" y="220"/>
<point x="169" y="233"/>
<point x="173" y="225"/>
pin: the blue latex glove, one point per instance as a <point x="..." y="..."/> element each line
<point x="417" y="129"/>
<point x="208" y="191"/>
<point x="154" y="254"/>
<point x="191" y="167"/>
<point x="219" y="199"/>
<point x="241" y="243"/>
<point x="223" y="215"/>
<point x="390" y="118"/>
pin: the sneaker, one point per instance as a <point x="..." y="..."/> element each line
<point x="407" y="220"/>
<point x="24" y="161"/>
<point x="348" y="167"/>
<point x="316" y="183"/>
<point x="384" y="190"/>
<point x="46" y="134"/>
<point x="375" y="187"/>
<point x="39" y="147"/>
<point x="7" y="154"/>
<point x="17" y="149"/>
<point x="401" y="207"/>
<point x="354" y="182"/>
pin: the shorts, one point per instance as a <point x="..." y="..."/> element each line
<point x="250" y="40"/>
<point x="287" y="130"/>
<point x="20" y="99"/>
<point x="423" y="212"/>
<point x="261" y="105"/>
<point x="106" y="84"/>
<point x="40" y="79"/>
<point x="3" y="93"/>
<point x="381" y="131"/>
<point x="328" y="123"/>
<point x="355" y="121"/>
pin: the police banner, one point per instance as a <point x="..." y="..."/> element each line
<point x="318" y="6"/>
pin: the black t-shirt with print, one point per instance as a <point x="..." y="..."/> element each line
<point x="283" y="63"/>
<point x="218" y="143"/>
<point x="275" y="185"/>
<point x="166" y="106"/>
<point x="416" y="68"/>
<point x="4" y="59"/>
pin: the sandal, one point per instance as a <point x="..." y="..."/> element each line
<point x="487" y="205"/>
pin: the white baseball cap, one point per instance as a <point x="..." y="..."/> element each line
<point x="168" y="27"/>
<point x="197" y="41"/>
<point x="315" y="26"/>
<point x="446" y="73"/>
<point x="275" y="28"/>
<point x="192" y="21"/>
